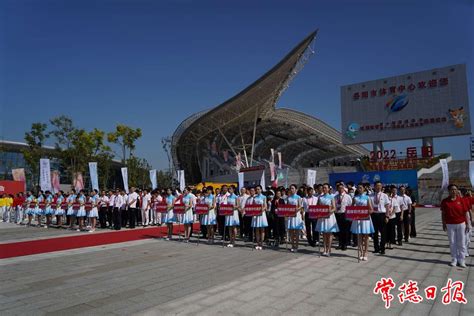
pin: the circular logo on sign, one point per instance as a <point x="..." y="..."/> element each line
<point x="397" y="103"/>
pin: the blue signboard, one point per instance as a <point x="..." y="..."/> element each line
<point x="408" y="178"/>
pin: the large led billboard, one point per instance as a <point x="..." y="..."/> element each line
<point x="432" y="103"/>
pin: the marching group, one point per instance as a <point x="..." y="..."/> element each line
<point x="390" y="210"/>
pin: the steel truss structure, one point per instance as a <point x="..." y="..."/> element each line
<point x="250" y="125"/>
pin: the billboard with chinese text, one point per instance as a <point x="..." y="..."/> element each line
<point x="432" y="103"/>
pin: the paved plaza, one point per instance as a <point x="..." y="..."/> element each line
<point x="157" y="277"/>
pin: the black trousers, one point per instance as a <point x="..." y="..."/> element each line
<point x="269" y="229"/>
<point x="220" y="223"/>
<point x="406" y="225"/>
<point x="241" y="230"/>
<point x="310" y="225"/>
<point x="399" y="225"/>
<point x="391" y="225"/>
<point x="344" y="230"/>
<point x="412" y="223"/>
<point x="378" y="219"/>
<point x="124" y="217"/>
<point x="132" y="217"/>
<point x="279" y="230"/>
<point x="203" y="228"/>
<point x="248" y="230"/>
<point x="103" y="217"/>
<point x="117" y="218"/>
<point x="110" y="215"/>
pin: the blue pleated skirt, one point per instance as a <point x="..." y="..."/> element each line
<point x="93" y="213"/>
<point x="188" y="217"/>
<point x="209" y="218"/>
<point x="260" y="221"/>
<point x="81" y="212"/>
<point x="327" y="225"/>
<point x="232" y="220"/>
<point x="295" y="222"/>
<point x="362" y="227"/>
<point x="59" y="212"/>
<point x="71" y="212"/>
<point x="168" y="217"/>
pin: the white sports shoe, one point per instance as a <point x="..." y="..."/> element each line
<point x="453" y="263"/>
<point x="462" y="264"/>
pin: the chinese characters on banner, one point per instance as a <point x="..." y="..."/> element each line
<point x="45" y="175"/>
<point x="452" y="292"/>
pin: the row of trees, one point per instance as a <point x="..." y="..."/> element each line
<point x="75" y="148"/>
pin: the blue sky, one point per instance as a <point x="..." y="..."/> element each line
<point x="151" y="64"/>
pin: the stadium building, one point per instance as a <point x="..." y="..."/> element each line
<point x="241" y="133"/>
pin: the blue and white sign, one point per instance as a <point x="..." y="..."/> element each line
<point x="407" y="178"/>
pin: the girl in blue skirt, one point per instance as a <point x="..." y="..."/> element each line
<point x="188" y="216"/>
<point x="209" y="219"/>
<point x="260" y="222"/>
<point x="232" y="221"/>
<point x="327" y="226"/>
<point x="362" y="228"/>
<point x="169" y="217"/>
<point x="295" y="224"/>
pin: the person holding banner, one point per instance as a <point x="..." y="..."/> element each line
<point x="48" y="212"/>
<point x="81" y="213"/>
<point x="295" y="224"/>
<point x="59" y="212"/>
<point x="30" y="208"/>
<point x="39" y="211"/>
<point x="209" y="219"/>
<point x="310" y="224"/>
<point x="71" y="212"/>
<point x="188" y="216"/>
<point x="169" y="217"/>
<point x="327" y="226"/>
<point x="232" y="221"/>
<point x="259" y="223"/>
<point x="380" y="217"/>
<point x="343" y="199"/>
<point x="278" y="221"/>
<point x="362" y="228"/>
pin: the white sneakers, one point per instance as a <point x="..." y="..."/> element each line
<point x="453" y="263"/>
<point x="258" y="248"/>
<point x="462" y="264"/>
<point x="230" y="246"/>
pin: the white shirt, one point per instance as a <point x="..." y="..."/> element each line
<point x="342" y="201"/>
<point x="132" y="199"/>
<point x="145" y="201"/>
<point x="406" y="202"/>
<point x="307" y="201"/>
<point x="112" y="200"/>
<point x="104" y="201"/>
<point x="243" y="200"/>
<point x="379" y="200"/>
<point x="222" y="198"/>
<point x="119" y="201"/>
<point x="401" y="204"/>
<point x="394" y="205"/>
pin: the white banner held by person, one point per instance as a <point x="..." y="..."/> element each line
<point x="45" y="175"/>
<point x="241" y="180"/>
<point x="94" y="175"/>
<point x="182" y="183"/>
<point x="262" y="181"/>
<point x="125" y="178"/>
<point x="279" y="160"/>
<point x="471" y="172"/>
<point x="153" y="179"/>
<point x="311" y="178"/>
<point x="444" y="168"/>
<point x="272" y="171"/>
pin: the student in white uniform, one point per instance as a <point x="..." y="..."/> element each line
<point x="362" y="228"/>
<point x="393" y="209"/>
<point x="380" y="217"/>
<point x="295" y="224"/>
<point x="343" y="199"/>
<point x="188" y="216"/>
<point x="406" y="209"/>
<point x="146" y="206"/>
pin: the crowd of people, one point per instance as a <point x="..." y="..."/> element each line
<point x="391" y="212"/>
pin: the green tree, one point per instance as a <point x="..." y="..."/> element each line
<point x="125" y="137"/>
<point x="35" y="139"/>
<point x="138" y="172"/>
<point x="164" y="179"/>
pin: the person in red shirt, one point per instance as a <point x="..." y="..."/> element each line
<point x="456" y="222"/>
<point x="18" y="207"/>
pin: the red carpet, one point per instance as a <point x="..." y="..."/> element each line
<point x="25" y="248"/>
